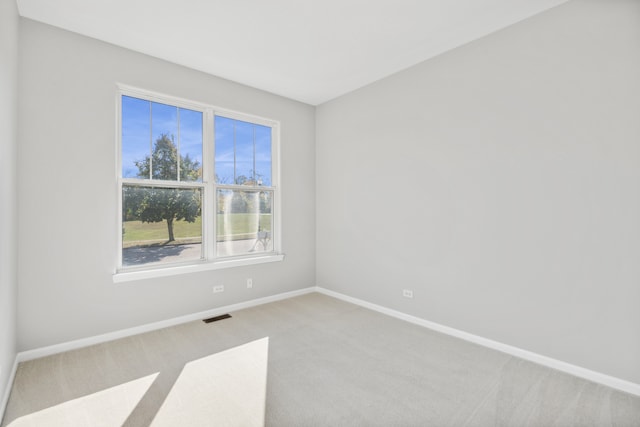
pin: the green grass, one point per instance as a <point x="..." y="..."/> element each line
<point x="231" y="227"/>
<point x="236" y="224"/>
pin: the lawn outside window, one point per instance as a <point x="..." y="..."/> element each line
<point x="197" y="186"/>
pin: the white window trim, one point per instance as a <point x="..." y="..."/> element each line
<point x="209" y="188"/>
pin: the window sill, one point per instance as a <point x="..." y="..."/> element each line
<point x="129" y="276"/>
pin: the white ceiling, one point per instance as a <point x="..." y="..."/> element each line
<point x="308" y="50"/>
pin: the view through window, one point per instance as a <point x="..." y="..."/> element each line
<point x="243" y="178"/>
<point x="191" y="193"/>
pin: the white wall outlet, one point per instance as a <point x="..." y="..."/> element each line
<point x="407" y="293"/>
<point x="249" y="283"/>
<point x="218" y="288"/>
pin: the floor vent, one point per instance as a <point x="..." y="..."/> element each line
<point x="215" y="319"/>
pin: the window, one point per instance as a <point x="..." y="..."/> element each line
<point x="244" y="194"/>
<point x="197" y="184"/>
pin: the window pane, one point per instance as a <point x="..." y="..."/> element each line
<point x="190" y="145"/>
<point x="263" y="155"/>
<point x="224" y="148"/>
<point x="244" y="153"/>
<point x="244" y="222"/>
<point x="164" y="125"/>
<point x="161" y="225"/>
<point x="136" y="139"/>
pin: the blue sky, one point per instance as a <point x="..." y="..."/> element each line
<point x="242" y="137"/>
<point x="140" y="117"/>
<point x="251" y="143"/>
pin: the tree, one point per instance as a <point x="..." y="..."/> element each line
<point x="156" y="204"/>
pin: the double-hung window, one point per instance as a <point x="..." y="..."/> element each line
<point x="197" y="186"/>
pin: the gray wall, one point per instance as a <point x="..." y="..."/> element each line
<point x="8" y="219"/>
<point x="67" y="191"/>
<point x="501" y="183"/>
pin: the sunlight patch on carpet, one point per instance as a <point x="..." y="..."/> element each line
<point x="106" y="408"/>
<point x="225" y="389"/>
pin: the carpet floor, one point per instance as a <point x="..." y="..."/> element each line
<point x="330" y="363"/>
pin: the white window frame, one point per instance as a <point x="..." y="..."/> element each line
<point x="209" y="261"/>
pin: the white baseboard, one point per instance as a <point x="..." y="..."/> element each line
<point x="597" y="377"/>
<point x="7" y="390"/>
<point x="84" y="342"/>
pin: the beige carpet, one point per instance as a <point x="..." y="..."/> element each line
<point x="329" y="363"/>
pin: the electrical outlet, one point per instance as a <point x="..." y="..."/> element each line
<point x="249" y="283"/>
<point x="407" y="293"/>
<point x="217" y="289"/>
